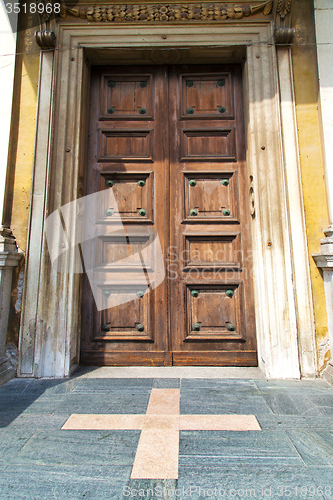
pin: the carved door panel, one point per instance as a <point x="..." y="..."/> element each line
<point x="211" y="299"/>
<point x="124" y="320"/>
<point x="167" y="160"/>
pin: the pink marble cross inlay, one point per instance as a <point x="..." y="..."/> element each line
<point x="158" y="448"/>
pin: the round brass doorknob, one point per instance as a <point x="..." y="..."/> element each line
<point x="140" y="327"/>
<point x="141" y="183"/>
<point x="109" y="212"/>
<point x="225" y="182"/>
<point x="193" y="182"/>
<point x="231" y="327"/>
<point x="140" y="294"/>
<point x="109" y="183"/>
<point x="142" y="212"/>
<point x="226" y="211"/>
<point x="106" y="328"/>
<point x="194" y="293"/>
<point x="229" y="293"/>
<point x="196" y="327"/>
<point x="193" y="212"/>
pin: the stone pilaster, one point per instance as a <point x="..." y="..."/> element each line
<point x="9" y="258"/>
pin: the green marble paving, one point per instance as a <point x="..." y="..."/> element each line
<point x="294" y="450"/>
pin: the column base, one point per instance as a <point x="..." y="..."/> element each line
<point x="9" y="258"/>
<point x="327" y="374"/>
<point x="324" y="261"/>
<point x="7" y="372"/>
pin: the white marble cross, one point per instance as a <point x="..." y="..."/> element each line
<point x="158" y="448"/>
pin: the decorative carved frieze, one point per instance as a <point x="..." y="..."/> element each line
<point x="166" y="12"/>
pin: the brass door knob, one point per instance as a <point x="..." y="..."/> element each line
<point x="109" y="183"/>
<point x="196" y="327"/>
<point x="141" y="183"/>
<point x="225" y="182"/>
<point x="140" y="327"/>
<point x="190" y="111"/>
<point x="194" y="293"/>
<point x="142" y="212"/>
<point x="142" y="111"/>
<point x="193" y="212"/>
<point x="221" y="109"/>
<point x="226" y="211"/>
<point x="231" y="327"/>
<point x="229" y="293"/>
<point x="193" y="182"/>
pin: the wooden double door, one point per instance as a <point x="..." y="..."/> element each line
<point x="170" y="249"/>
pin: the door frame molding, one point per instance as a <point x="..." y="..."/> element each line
<point x="50" y="324"/>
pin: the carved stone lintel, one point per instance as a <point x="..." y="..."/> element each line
<point x="165" y="12"/>
<point x="45" y="39"/>
<point x="284" y="36"/>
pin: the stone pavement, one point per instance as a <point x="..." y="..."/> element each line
<point x="169" y="433"/>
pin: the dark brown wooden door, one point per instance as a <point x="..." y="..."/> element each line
<point x="170" y="258"/>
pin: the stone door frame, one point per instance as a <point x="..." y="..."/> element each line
<point x="50" y="326"/>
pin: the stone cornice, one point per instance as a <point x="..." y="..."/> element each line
<point x="112" y="13"/>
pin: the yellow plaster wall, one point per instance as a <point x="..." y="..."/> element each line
<point x="23" y="140"/>
<point x="311" y="160"/>
<point x="19" y="177"/>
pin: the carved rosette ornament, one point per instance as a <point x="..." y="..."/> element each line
<point x="283" y="8"/>
<point x="166" y="13"/>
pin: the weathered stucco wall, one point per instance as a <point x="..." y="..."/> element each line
<point x="311" y="159"/>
